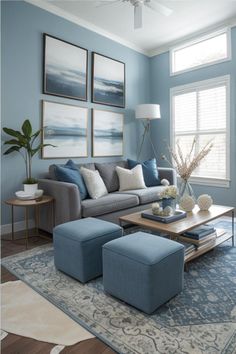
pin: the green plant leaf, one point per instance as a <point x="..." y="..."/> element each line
<point x="12" y="142"/>
<point x="36" y="133"/>
<point x="40" y="146"/>
<point x="12" y="132"/>
<point x="27" y="128"/>
<point x="34" y="136"/>
<point x="30" y="181"/>
<point x="12" y="149"/>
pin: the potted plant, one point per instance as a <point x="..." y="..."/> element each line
<point x="24" y="143"/>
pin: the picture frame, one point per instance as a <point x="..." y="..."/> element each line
<point x="66" y="127"/>
<point x="65" y="69"/>
<point x="108" y="81"/>
<point x="107" y="133"/>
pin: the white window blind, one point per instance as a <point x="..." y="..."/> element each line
<point x="200" y="110"/>
<point x="200" y="52"/>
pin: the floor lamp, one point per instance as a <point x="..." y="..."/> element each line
<point x="147" y="112"/>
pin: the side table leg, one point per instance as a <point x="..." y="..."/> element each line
<point x="53" y="214"/>
<point x="233" y="228"/>
<point x="12" y="223"/>
<point x="26" y="227"/>
<point x="37" y="220"/>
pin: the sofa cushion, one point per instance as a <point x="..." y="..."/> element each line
<point x="147" y="195"/>
<point x="150" y="171"/>
<point x="130" y="179"/>
<point x="51" y="169"/>
<point x="94" y="183"/>
<point x="71" y="174"/>
<point x="109" y="174"/>
<point x="108" y="204"/>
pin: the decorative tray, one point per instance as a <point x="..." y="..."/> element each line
<point x="179" y="214"/>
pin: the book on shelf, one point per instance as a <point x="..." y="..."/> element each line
<point x="198" y="242"/>
<point x="200" y="232"/>
<point x="188" y="247"/>
<point x="220" y="232"/>
<point x="206" y="244"/>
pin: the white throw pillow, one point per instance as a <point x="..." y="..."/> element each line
<point x="94" y="183"/>
<point x="131" y="179"/>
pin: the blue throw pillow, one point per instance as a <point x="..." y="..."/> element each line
<point x="150" y="171"/>
<point x="70" y="173"/>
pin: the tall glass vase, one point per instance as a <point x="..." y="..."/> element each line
<point x="185" y="188"/>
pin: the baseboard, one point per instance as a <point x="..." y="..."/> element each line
<point x="18" y="226"/>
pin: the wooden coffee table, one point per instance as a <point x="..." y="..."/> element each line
<point x="193" y="219"/>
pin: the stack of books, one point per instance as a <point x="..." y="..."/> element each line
<point x="201" y="236"/>
<point x="189" y="248"/>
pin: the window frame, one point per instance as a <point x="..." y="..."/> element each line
<point x="198" y="86"/>
<point x="200" y="39"/>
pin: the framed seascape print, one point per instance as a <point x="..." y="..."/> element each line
<point x="108" y="81"/>
<point x="65" y="69"/>
<point x="107" y="133"/>
<point x="65" y="127"/>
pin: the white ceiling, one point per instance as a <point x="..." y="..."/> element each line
<point x="115" y="20"/>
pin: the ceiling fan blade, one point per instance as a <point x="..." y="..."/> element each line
<point x="138" y="16"/>
<point x="156" y="6"/>
<point x="104" y="3"/>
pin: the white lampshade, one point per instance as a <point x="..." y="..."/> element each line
<point x="148" y="111"/>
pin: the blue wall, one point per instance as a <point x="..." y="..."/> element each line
<point x="147" y="79"/>
<point x="22" y="52"/>
<point x="161" y="82"/>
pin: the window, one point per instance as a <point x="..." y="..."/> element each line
<point x="201" y="52"/>
<point x="201" y="110"/>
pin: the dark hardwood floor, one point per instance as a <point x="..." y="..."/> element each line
<point x="13" y="344"/>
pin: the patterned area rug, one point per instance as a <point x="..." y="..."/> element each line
<point x="202" y="319"/>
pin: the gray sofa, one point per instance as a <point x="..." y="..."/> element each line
<point x="69" y="206"/>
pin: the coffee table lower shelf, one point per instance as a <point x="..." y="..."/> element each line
<point x="195" y="218"/>
<point x="209" y="247"/>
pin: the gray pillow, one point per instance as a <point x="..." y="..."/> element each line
<point x="109" y="175"/>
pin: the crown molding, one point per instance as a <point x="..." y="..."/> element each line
<point x="79" y="21"/>
<point x="150" y="53"/>
<point x="165" y="48"/>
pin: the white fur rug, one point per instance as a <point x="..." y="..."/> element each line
<point x="26" y="313"/>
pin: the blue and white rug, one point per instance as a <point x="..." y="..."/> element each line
<point x="202" y="319"/>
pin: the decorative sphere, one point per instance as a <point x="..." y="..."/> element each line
<point x="187" y="203"/>
<point x="204" y="201"/>
<point x="165" y="182"/>
<point x="155" y="208"/>
<point x="168" y="211"/>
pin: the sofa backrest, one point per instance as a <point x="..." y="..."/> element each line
<point x="51" y="170"/>
<point x="107" y="171"/>
<point x="109" y="175"/>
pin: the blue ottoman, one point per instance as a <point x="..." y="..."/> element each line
<point x="78" y="246"/>
<point x="143" y="270"/>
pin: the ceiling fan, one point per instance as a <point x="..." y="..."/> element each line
<point x="139" y="5"/>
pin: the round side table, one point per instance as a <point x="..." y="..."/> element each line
<point x="36" y="204"/>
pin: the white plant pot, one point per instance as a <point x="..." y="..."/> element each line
<point x="30" y="188"/>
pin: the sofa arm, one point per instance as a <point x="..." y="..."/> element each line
<point x="169" y="174"/>
<point x="67" y="203"/>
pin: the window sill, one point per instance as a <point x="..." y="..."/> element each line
<point x="211" y="182"/>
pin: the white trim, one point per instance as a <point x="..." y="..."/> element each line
<point x="230" y="23"/>
<point x="18" y="226"/>
<point x="211" y="182"/>
<point x="225" y="30"/>
<point x="150" y="53"/>
<point x="80" y="22"/>
<point x="204" y="84"/>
